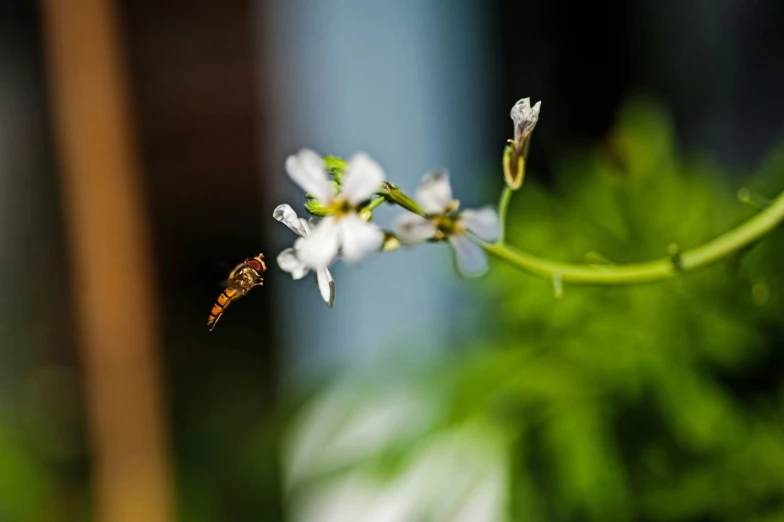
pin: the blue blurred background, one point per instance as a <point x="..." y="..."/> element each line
<point x="141" y="155"/>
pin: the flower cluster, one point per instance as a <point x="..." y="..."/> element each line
<point x="344" y="195"/>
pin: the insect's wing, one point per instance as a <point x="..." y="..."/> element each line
<point x="236" y="270"/>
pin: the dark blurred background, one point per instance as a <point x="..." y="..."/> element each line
<point x="185" y="111"/>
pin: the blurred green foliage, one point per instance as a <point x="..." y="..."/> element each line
<point x="25" y="490"/>
<point x="654" y="402"/>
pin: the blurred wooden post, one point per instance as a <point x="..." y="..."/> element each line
<point x="110" y="260"/>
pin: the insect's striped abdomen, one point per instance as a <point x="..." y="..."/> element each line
<point x="224" y="300"/>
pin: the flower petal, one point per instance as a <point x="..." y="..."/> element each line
<point x="471" y="259"/>
<point x="326" y="286"/>
<point x="305" y="226"/>
<point x="288" y="262"/>
<point x="412" y="229"/>
<point x="320" y="248"/>
<point x="286" y="215"/>
<point x="483" y="223"/>
<point x="435" y="192"/>
<point x="362" y="179"/>
<point x="524" y="117"/>
<point x="359" y="238"/>
<point x="307" y="170"/>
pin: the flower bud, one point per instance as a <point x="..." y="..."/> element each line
<point x="391" y="242"/>
<point x="524" y="117"/>
<point x="316" y="208"/>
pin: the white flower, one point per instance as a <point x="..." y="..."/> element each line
<point x="289" y="261"/>
<point x="435" y="196"/>
<point x="524" y="117"/>
<point x="341" y="233"/>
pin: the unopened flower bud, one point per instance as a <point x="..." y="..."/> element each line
<point x="524" y="117"/>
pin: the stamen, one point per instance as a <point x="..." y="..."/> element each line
<point x="340" y="207"/>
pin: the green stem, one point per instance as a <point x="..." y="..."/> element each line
<point x="503" y="210"/>
<point x="709" y="253"/>
<point x="373" y="204"/>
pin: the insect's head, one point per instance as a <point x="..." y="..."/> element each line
<point x="257" y="264"/>
<point x="255" y="267"/>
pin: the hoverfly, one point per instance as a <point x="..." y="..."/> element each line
<point x="242" y="279"/>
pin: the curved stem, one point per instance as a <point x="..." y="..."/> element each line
<point x="503" y="210"/>
<point x="370" y="207"/>
<point x="709" y="253"/>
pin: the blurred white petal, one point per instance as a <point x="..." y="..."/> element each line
<point x="288" y="262"/>
<point x="359" y="238"/>
<point x="485" y="501"/>
<point x="326" y="286"/>
<point x="483" y="223"/>
<point x="358" y="497"/>
<point x="363" y="177"/>
<point x="307" y="170"/>
<point x="434" y="192"/>
<point x="305" y="226"/>
<point x="320" y="248"/>
<point x="471" y="259"/>
<point x="412" y="229"/>
<point x="286" y="215"/>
